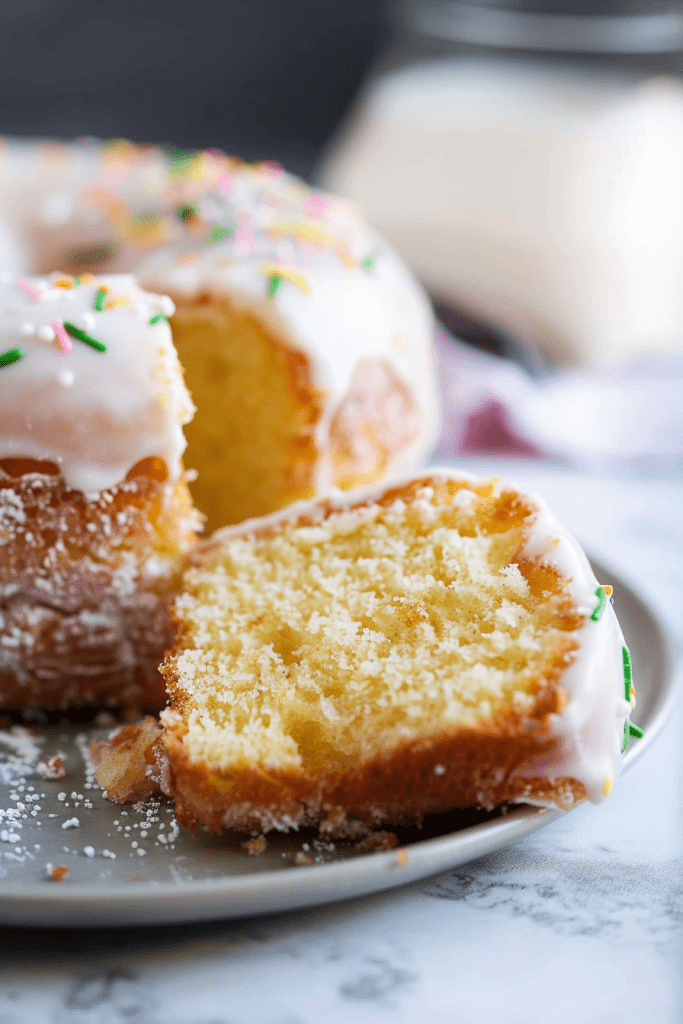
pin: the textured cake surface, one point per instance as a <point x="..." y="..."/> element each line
<point x="383" y="656"/>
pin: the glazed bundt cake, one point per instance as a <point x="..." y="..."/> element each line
<point x="95" y="516"/>
<point x="371" y="657"/>
<point x="307" y="344"/>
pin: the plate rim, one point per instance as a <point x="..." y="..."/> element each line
<point x="167" y="902"/>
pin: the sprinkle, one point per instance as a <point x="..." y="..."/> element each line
<point x="58" y="326"/>
<point x="293" y="276"/>
<point x="45" y="333"/>
<point x="77" y="282"/>
<point x="607" y="785"/>
<point x="30" y="288"/>
<point x="628" y="672"/>
<point x="402" y="857"/>
<point x="159" y="318"/>
<point x="220" y="231"/>
<point x="318" y="205"/>
<point x="63" y="282"/>
<point x="12" y="356"/>
<point x="186" y="211"/>
<point x="244" y="238"/>
<point x="369" y="261"/>
<point x="100" y="299"/>
<point x="272" y="165"/>
<point x="87" y="278"/>
<point x="600" y="606"/>
<point x="118" y="300"/>
<point x="75" y="332"/>
<point x="635" y="730"/>
<point x="273" y="286"/>
<point x="180" y="159"/>
<point x="315" y="235"/>
<point x="608" y="590"/>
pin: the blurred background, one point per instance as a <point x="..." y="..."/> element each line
<point x="525" y="157"/>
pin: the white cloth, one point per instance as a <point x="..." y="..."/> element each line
<point x="629" y="416"/>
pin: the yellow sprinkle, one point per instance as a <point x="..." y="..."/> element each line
<point x="607" y="785"/>
<point x="118" y="300"/>
<point x="309" y="232"/>
<point x="273" y="270"/>
<point x="402" y="857"/>
<point x="88" y="278"/>
<point x="608" y="590"/>
<point x="63" y="282"/>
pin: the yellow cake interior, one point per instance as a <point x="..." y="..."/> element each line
<point x="320" y="647"/>
<point x="251" y="438"/>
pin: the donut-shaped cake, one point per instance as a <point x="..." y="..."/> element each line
<point x="306" y="343"/>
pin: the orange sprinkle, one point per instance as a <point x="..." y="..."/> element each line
<point x="59" y="872"/>
<point x="63" y="282"/>
<point x="88" y="278"/>
<point x="608" y="590"/>
<point x="118" y="300"/>
<point x="402" y="857"/>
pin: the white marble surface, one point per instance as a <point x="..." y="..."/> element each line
<point x="581" y="922"/>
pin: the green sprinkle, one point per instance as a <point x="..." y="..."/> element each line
<point x="628" y="672"/>
<point x="369" y="262"/>
<point x="158" y="319"/>
<point x="100" y="300"/>
<point x="77" y="281"/>
<point x="186" y="211"/>
<point x="76" y="332"/>
<point x="273" y="285"/>
<point x="220" y="231"/>
<point x="12" y="356"/>
<point x="635" y="730"/>
<point x="179" y="159"/>
<point x="627" y="736"/>
<point x="600" y="606"/>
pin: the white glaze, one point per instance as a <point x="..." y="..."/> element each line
<point x="590" y="729"/>
<point x="94" y="414"/>
<point x="338" y="313"/>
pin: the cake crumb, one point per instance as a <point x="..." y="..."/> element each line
<point x="302" y="858"/>
<point x="51" y="767"/>
<point x="255" y="846"/>
<point x="57" y="873"/>
<point x="378" y="841"/>
<point x="71" y="823"/>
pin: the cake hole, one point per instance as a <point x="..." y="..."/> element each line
<point x="23" y="467"/>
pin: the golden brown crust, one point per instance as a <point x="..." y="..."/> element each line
<point x="377" y="419"/>
<point x="467" y="768"/>
<point x="85" y="587"/>
<point x="471" y="766"/>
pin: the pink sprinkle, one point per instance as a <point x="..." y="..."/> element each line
<point x="244" y="238"/>
<point x="63" y="339"/>
<point x="30" y="288"/>
<point x="317" y="205"/>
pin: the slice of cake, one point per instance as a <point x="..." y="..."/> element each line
<point x="95" y="517"/>
<point x="376" y="656"/>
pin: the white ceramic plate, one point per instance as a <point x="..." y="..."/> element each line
<point x="178" y="878"/>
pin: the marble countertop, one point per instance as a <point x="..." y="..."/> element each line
<point x="580" y="922"/>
